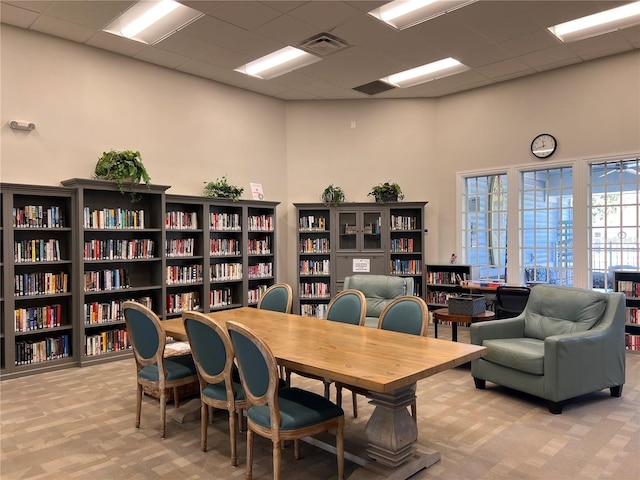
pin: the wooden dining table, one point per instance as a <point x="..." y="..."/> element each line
<point x="384" y="363"/>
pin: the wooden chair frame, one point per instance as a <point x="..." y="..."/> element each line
<point x="157" y="358"/>
<point x="270" y="398"/>
<point x="276" y="286"/>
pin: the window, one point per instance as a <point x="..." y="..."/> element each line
<point x="546" y="226"/>
<point x="484" y="225"/>
<point x="614" y="201"/>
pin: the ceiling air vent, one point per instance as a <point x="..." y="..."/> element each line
<point x="374" y="87"/>
<point x="323" y="44"/>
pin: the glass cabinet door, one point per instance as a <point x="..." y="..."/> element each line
<point x="371" y="238"/>
<point x="360" y="230"/>
<point x="347" y="231"/>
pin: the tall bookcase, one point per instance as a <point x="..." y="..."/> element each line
<point x="352" y="238"/>
<point x="38" y="248"/>
<point x="629" y="283"/>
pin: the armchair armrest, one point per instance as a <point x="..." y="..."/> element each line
<point x="506" y="328"/>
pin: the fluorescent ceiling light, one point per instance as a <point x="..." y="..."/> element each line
<point x="403" y="14"/>
<point x="426" y="73"/>
<point x="278" y="63"/>
<point x="150" y="22"/>
<point x="598" y="23"/>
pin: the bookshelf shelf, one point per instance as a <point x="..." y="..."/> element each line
<point x="629" y="283"/>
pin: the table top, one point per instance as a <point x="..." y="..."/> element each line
<point x="376" y="360"/>
<point x="443" y="314"/>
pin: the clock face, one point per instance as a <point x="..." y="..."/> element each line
<point x="544" y="145"/>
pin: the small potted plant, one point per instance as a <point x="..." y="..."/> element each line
<point x="332" y="196"/>
<point x="387" y="192"/>
<point x="125" y="168"/>
<point x="222" y="189"/>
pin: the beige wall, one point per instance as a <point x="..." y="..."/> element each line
<point x="189" y="130"/>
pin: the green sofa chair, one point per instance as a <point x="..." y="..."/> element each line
<point x="379" y="291"/>
<point x="566" y="343"/>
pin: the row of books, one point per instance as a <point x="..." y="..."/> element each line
<point x="254" y="294"/>
<point x="224" y="246"/>
<point x="107" y="312"/>
<point x="102" y="280"/>
<point x="313" y="245"/>
<point x="220" y="297"/>
<point x="40" y="283"/>
<point x="36" y="250"/>
<point x="315" y="267"/>
<point x="402" y="222"/>
<point x="261" y="223"/>
<point x="629" y="288"/>
<point x="180" y="302"/>
<point x="317" y="310"/>
<point x="38" y="216"/>
<point x="632" y="341"/>
<point x="225" y="271"/>
<point x="181" y="274"/>
<point x="115" y="249"/>
<point x="311" y="222"/>
<point x="180" y="247"/>
<point x="37" y="318"/>
<point x="314" y="290"/>
<point x="260" y="270"/>
<point x="105" y="342"/>
<point x="47" y="349"/>
<point x="406" y="267"/>
<point x="632" y="315"/>
<point x="402" y="245"/>
<point x="447" y="278"/>
<point x="181" y="221"/>
<point x="113" y="218"/>
<point x="439" y="297"/>
<point x="225" y="221"/>
<point x="259" y="246"/>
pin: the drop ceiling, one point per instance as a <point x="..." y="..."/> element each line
<point x="499" y="40"/>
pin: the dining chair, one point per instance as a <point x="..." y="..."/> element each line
<point x="153" y="369"/>
<point x="407" y="314"/>
<point x="278" y="298"/>
<point x="220" y="386"/>
<point x="278" y="413"/>
<point x="511" y="301"/>
<point x="348" y="306"/>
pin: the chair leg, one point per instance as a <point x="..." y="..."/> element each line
<point x="176" y="398"/>
<point x="340" y="450"/>
<point x="204" y="422"/>
<point x="616" y="391"/>
<point x="138" y="404"/>
<point x="296" y="449"/>
<point x="277" y="455"/>
<point x="339" y="395"/>
<point x="233" y="431"/>
<point x="354" y="399"/>
<point x="327" y="384"/>
<point x="249" y="454"/>
<point x="480" y="383"/>
<point x="414" y="412"/>
<point x="555" y="408"/>
<point x="163" y="410"/>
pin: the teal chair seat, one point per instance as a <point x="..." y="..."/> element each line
<point x="175" y="368"/>
<point x="298" y="409"/>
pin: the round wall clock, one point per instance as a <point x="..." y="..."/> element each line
<point x="544" y="145"/>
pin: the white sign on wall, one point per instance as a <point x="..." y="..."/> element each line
<point x="361" y="265"/>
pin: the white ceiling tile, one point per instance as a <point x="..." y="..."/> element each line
<point x="602" y="45"/>
<point x="90" y="14"/>
<point x="540" y="40"/>
<point x="200" y="69"/>
<point x="247" y="15"/>
<point x="184" y="45"/>
<point x="34" y="6"/>
<point x="160" y="57"/>
<point x="62" y="28"/>
<point x="115" y="43"/>
<point x="549" y="56"/>
<point x="503" y="69"/>
<point x="325" y="15"/>
<point x="17" y="16"/>
<point x="287" y="30"/>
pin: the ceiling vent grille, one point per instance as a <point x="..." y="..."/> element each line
<point x="323" y="44"/>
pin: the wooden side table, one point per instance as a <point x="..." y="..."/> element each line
<point x="443" y="315"/>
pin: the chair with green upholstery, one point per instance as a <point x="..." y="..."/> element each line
<point x="219" y="379"/>
<point x="278" y="413"/>
<point x="407" y="314"/>
<point x="277" y="298"/>
<point x="154" y="370"/>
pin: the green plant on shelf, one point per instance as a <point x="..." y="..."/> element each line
<point x="222" y="189"/>
<point x="386" y="192"/>
<point x="125" y="168"/>
<point x="332" y="196"/>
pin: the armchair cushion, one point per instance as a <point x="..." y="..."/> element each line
<point x="379" y="290"/>
<point x="523" y="354"/>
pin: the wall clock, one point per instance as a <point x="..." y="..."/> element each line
<point x="544" y="145"/>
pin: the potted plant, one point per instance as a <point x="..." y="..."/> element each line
<point x="125" y="168"/>
<point x="387" y="192"/>
<point x="332" y="196"/>
<point x="222" y="189"/>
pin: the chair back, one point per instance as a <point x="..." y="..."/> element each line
<point x="511" y="301"/>
<point x="348" y="306"/>
<point x="277" y="298"/>
<point x="406" y="314"/>
<point x="211" y="348"/>
<point x="145" y="333"/>
<point x="258" y="369"/>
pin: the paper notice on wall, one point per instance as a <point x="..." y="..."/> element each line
<point x="256" y="191"/>
<point x="361" y="265"/>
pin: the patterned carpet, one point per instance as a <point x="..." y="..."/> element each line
<point x="79" y="424"/>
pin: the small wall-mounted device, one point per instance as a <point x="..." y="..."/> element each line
<point x="22" y="125"/>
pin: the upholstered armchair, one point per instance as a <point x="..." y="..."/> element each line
<point x="566" y="343"/>
<point x="378" y="290"/>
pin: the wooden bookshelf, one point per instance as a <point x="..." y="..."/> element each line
<point x="628" y="282"/>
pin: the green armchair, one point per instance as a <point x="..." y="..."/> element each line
<point x="566" y="343"/>
<point x="379" y="291"/>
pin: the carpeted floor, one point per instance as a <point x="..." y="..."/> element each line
<point x="79" y="424"/>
